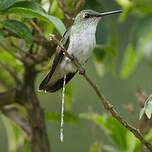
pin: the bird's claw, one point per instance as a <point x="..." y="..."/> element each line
<point x="72" y="57"/>
<point x="82" y="72"/>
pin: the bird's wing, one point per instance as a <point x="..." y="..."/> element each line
<point x="59" y="83"/>
<point x="58" y="58"/>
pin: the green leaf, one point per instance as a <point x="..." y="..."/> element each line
<point x="140" y="29"/>
<point x="56" y="10"/>
<point x="13" y="64"/>
<point x="85" y="115"/>
<point x="26" y="146"/>
<point x="124" y="14"/>
<point x="115" y="129"/>
<point x="30" y="5"/>
<point x="19" y="28"/>
<point x="142" y="7"/>
<point x="68" y="117"/>
<point x="105" y="58"/>
<point x="68" y="97"/>
<point x="111" y="50"/>
<point x="124" y="140"/>
<point x="4" y="4"/>
<point x="94" y="147"/>
<point x="110" y="148"/>
<point x="148" y="107"/>
<point x="132" y="142"/>
<point x="130" y="61"/>
<point x="34" y="12"/>
<point x="93" y="116"/>
<point x="99" y="52"/>
<point x="15" y="140"/>
<point x="10" y="60"/>
<point x="141" y="113"/>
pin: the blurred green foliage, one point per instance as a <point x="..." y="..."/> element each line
<point x="121" y="138"/>
<point x="15" y="16"/>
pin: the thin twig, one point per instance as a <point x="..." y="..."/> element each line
<point x="41" y="41"/>
<point x="36" y="28"/>
<point x="78" y="5"/>
<point x="105" y="102"/>
<point x="22" y="52"/>
<point x="66" y="13"/>
<point x="12" y="74"/>
<point x="94" y="131"/>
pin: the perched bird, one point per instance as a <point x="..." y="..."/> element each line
<point x="79" y="41"/>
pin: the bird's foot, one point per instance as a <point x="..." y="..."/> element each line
<point x="72" y="57"/>
<point x="82" y="72"/>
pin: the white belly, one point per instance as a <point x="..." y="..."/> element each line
<point x="81" y="46"/>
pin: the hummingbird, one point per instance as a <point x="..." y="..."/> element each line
<point x="79" y="41"/>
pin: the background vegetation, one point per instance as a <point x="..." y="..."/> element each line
<point x="120" y="66"/>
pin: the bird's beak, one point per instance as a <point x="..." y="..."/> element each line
<point x="107" y="13"/>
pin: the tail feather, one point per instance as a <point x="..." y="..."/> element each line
<point x="44" y="82"/>
<point x="59" y="84"/>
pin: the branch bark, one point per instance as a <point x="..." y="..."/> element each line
<point x="105" y="102"/>
<point x="35" y="126"/>
<point x="8" y="97"/>
<point x="13" y="114"/>
<point x="39" y="138"/>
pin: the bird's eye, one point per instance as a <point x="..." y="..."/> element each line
<point x="86" y="16"/>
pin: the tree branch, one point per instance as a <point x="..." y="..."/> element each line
<point x="35" y="127"/>
<point x="20" y="50"/>
<point x="105" y="102"/>
<point x="66" y="13"/>
<point x="13" y="114"/>
<point x="78" y="5"/>
<point x="29" y="57"/>
<point x="46" y="44"/>
<point x="39" y="138"/>
<point x="8" y="97"/>
<point x="12" y="74"/>
<point x="36" y="28"/>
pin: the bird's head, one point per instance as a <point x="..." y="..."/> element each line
<point x="90" y="16"/>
